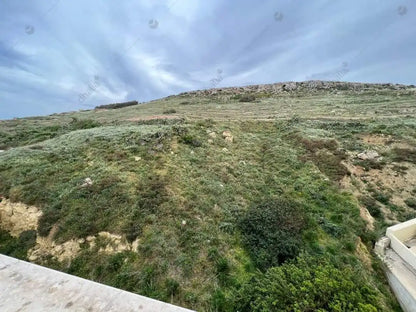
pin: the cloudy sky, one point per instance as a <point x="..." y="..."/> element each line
<point x="61" y="55"/>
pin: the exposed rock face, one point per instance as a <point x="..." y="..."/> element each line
<point x="17" y="217"/>
<point x="112" y="243"/>
<point x="46" y="247"/>
<point x="285" y="87"/>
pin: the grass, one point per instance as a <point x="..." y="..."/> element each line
<point x="189" y="201"/>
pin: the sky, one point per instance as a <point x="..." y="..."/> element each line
<point x="61" y="55"/>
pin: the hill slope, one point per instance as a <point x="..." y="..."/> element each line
<point x="251" y="199"/>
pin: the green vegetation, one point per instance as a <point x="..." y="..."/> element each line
<point x="261" y="223"/>
<point x="169" y="111"/>
<point x="372" y="206"/>
<point x="309" y="284"/>
<point x="17" y="246"/>
<point x="272" y="232"/>
<point x="247" y="98"/>
<point x="411" y="202"/>
<point x="117" y="105"/>
<point x="405" y="154"/>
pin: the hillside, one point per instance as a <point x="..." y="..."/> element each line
<point x="259" y="198"/>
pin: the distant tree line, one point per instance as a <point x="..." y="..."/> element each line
<point x="117" y="105"/>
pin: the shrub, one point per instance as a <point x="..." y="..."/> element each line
<point x="411" y="202"/>
<point x="318" y="144"/>
<point x="169" y="111"/>
<point x="330" y="228"/>
<point x="223" y="270"/>
<point x="117" y="105"/>
<point x="330" y="165"/>
<point x="49" y="217"/>
<point x="247" y="98"/>
<point x="381" y="197"/>
<point x="17" y="247"/>
<point x="272" y="231"/>
<point x="190" y="140"/>
<point x="80" y="124"/>
<point x="371" y="204"/>
<point x="368" y="164"/>
<point x="404" y="154"/>
<point x="309" y="284"/>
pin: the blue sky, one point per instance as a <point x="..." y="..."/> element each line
<point x="58" y="55"/>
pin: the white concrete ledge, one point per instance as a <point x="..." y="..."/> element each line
<point x="28" y="287"/>
<point x="400" y="233"/>
<point x="402" y="279"/>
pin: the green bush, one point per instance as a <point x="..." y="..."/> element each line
<point x="80" y="124"/>
<point x="17" y="247"/>
<point x="381" y="197"/>
<point x="169" y="111"/>
<point x="190" y="140"/>
<point x="272" y="231"/>
<point x="309" y="284"/>
<point x="411" y="202"/>
<point x="372" y="206"/>
<point x="117" y="105"/>
<point x="247" y="98"/>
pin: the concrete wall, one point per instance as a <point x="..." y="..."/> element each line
<point x="28" y="287"/>
<point x="402" y="280"/>
<point x="400" y="233"/>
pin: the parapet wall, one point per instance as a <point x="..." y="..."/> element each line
<point x="398" y="235"/>
<point x="398" y="252"/>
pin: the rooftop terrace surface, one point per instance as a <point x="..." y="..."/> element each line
<point x="28" y="287"/>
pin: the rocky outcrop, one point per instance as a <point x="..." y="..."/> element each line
<point x="110" y="244"/>
<point x="291" y="86"/>
<point x="17" y="217"/>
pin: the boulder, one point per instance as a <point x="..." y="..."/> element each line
<point x="228" y="137"/>
<point x="87" y="182"/>
<point x="368" y="155"/>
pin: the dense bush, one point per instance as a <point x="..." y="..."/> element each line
<point x="79" y="124"/>
<point x="368" y="164"/>
<point x="17" y="247"/>
<point x="190" y="140"/>
<point x="411" y="202"/>
<point x="117" y="105"/>
<point x="372" y="206"/>
<point x="309" y="284"/>
<point x="381" y="197"/>
<point x="169" y="111"/>
<point x="247" y="98"/>
<point x="404" y="154"/>
<point x="272" y="231"/>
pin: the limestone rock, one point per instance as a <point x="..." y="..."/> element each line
<point x="368" y="155"/>
<point x="87" y="182"/>
<point x="17" y="217"/>
<point x="228" y="137"/>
